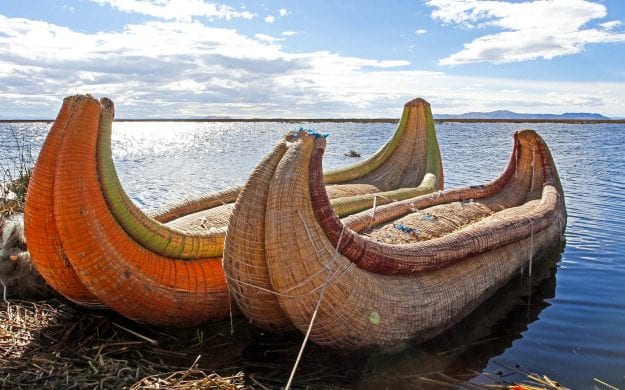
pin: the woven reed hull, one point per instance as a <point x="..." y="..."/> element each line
<point x="376" y="293"/>
<point x="416" y="157"/>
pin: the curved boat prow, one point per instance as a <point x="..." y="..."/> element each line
<point x="149" y="232"/>
<point x="42" y="235"/>
<point x="402" y="162"/>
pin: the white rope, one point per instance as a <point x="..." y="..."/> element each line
<point x="312" y="291"/>
<point x="375" y="204"/>
<point x="533" y="168"/>
<point x="230" y="309"/>
<point x="529" y="288"/>
<point x="312" y="319"/>
<point x="312" y="242"/>
<point x="516" y="163"/>
<point x="531" y="246"/>
<point x="4" y="292"/>
<point x="333" y="277"/>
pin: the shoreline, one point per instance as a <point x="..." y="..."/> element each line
<point x="346" y="120"/>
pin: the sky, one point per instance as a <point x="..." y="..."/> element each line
<point x="312" y="58"/>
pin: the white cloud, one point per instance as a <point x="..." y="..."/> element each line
<point x="176" y="9"/>
<point x="182" y="69"/>
<point x="187" y="63"/>
<point x="421" y="31"/>
<point x="532" y="29"/>
<point x="282" y="12"/>
<point x="610" y="25"/>
<point x="288" y="33"/>
<point x="267" y="38"/>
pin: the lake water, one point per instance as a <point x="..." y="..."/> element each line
<point x="569" y="326"/>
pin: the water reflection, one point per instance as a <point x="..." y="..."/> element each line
<point x="458" y="354"/>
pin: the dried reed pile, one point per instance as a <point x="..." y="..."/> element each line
<point x="53" y="344"/>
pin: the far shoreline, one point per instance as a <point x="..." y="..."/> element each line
<point x="345" y="120"/>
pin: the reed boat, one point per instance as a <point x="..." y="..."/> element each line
<point x="405" y="271"/>
<point x="94" y="246"/>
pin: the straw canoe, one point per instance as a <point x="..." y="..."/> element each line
<point x="93" y="245"/>
<point x="404" y="271"/>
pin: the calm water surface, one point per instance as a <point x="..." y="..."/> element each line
<point x="567" y="322"/>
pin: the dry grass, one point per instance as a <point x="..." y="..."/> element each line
<point x="55" y="344"/>
<point x="58" y="345"/>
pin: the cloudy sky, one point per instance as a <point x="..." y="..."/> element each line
<point x="312" y="58"/>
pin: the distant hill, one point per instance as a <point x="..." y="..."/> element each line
<point x="505" y="114"/>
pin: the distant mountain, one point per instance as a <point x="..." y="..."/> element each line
<point x="505" y="114"/>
